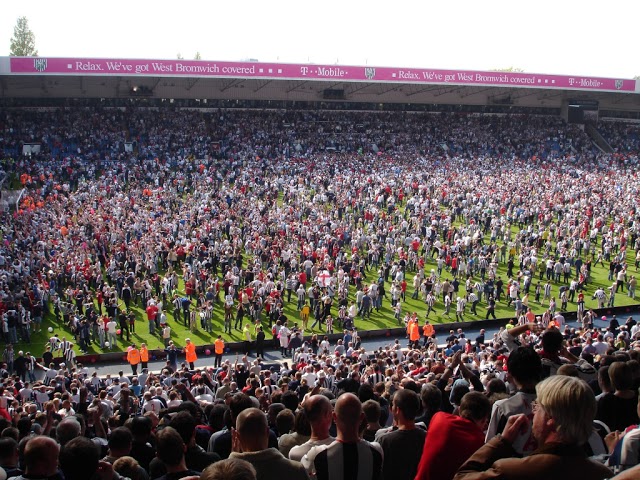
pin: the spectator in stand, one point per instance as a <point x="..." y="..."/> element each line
<point x="349" y="456"/>
<point x="562" y="422"/>
<point x="618" y="409"/>
<point x="40" y="459"/>
<point x="403" y="446"/>
<point x="251" y="443"/>
<point x="171" y="450"/>
<point x="9" y="457"/>
<point x="195" y="458"/>
<point x="80" y="459"/>
<point x="465" y="432"/>
<point x="525" y="370"/>
<point x="319" y="414"/>
<point x="229" y="469"/>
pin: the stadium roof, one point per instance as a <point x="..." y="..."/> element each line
<point x="122" y="78"/>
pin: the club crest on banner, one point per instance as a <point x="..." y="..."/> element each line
<point x="369" y="72"/>
<point x="40" y="64"/>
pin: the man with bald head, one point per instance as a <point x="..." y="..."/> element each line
<point x="319" y="413"/>
<point x="40" y="458"/>
<point x="68" y="429"/>
<point x="251" y="443"/>
<point x="349" y="457"/>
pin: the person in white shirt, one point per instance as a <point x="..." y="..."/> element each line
<point x="95" y="380"/>
<point x="151" y="404"/>
<point x="319" y="414"/>
<point x="25" y="393"/>
<point x="559" y="319"/>
<point x="460" y="303"/>
<point x="196" y="390"/>
<point x="600" y="345"/>
<point x="202" y="396"/>
<point x="115" y="387"/>
<point x="309" y="375"/>
<point x="325" y="345"/>
<point x="142" y="378"/>
<point x="111" y="333"/>
<point x="174" y="400"/>
<point x="634" y="331"/>
<point x="42" y="395"/>
<point x="166" y="334"/>
<point x="67" y="409"/>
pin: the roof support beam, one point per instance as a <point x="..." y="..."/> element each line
<point x="546" y="95"/>
<point x="619" y="98"/>
<point x="330" y="87"/>
<point x="382" y="92"/>
<point x="444" y="91"/>
<point x="427" y="89"/>
<point x="190" y="83"/>
<point x="526" y="93"/>
<point x="366" y="85"/>
<point x="464" y="95"/>
<point x="296" y="86"/>
<point x="264" y="84"/>
<point x="232" y="83"/>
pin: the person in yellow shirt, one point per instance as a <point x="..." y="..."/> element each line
<point x="247" y="339"/>
<point x="218" y="347"/>
<point x="190" y="352"/>
<point x="304" y="316"/>
<point x="133" y="357"/>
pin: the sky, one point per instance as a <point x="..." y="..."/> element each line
<point x="547" y="36"/>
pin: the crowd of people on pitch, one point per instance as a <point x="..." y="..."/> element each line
<point x="259" y="222"/>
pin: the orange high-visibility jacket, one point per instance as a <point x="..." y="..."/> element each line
<point x="133" y="356"/>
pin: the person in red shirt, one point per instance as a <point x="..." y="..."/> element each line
<point x="100" y="299"/>
<point x="439" y="460"/>
<point x="152" y="313"/>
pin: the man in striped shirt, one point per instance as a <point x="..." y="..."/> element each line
<point x="431" y="300"/>
<point x="473" y="299"/>
<point x="377" y="376"/>
<point x="349" y="457"/>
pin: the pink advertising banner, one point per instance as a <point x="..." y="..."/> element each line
<point x="199" y="68"/>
